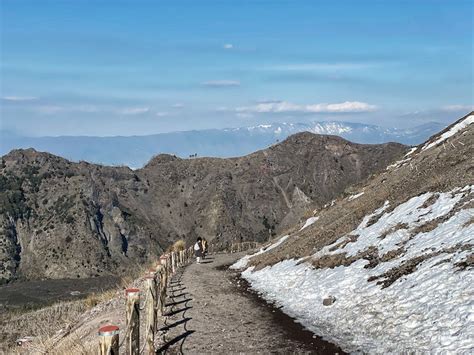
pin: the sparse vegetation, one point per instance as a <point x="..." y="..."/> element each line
<point x="179" y="245"/>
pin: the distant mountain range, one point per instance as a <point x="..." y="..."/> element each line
<point x="136" y="151"/>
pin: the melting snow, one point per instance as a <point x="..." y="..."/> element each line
<point x="456" y="128"/>
<point x="428" y="310"/>
<point x="309" y="222"/>
<point x="353" y="197"/>
<point x="398" y="164"/>
<point x="411" y="151"/>
<point x="242" y="263"/>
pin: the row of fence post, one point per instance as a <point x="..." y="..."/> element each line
<point x="232" y="247"/>
<point x="156" y="283"/>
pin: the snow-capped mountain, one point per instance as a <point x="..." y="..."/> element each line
<point x="355" y="132"/>
<point x="135" y="151"/>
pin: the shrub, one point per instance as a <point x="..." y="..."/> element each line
<point x="179" y="245"/>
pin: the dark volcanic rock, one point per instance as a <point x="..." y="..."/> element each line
<point x="62" y="219"/>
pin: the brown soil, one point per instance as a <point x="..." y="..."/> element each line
<point x="211" y="311"/>
<point x="409" y="266"/>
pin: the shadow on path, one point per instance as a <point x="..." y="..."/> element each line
<point x="177" y="306"/>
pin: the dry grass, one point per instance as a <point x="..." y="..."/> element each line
<point x="179" y="245"/>
<point x="95" y="298"/>
<point x="44" y="324"/>
<point x="41" y="324"/>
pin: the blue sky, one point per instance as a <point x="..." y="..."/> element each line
<point x="140" y="67"/>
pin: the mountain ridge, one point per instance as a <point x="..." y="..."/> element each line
<point x="136" y="151"/>
<point x="64" y="219"/>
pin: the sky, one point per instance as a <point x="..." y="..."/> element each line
<point x="105" y="68"/>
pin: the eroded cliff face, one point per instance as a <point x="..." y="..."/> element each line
<point x="63" y="219"/>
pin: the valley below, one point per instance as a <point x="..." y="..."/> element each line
<point x="27" y="295"/>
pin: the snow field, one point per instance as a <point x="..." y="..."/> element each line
<point x="430" y="309"/>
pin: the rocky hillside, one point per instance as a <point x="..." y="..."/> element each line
<point x="389" y="268"/>
<point x="63" y="219"/>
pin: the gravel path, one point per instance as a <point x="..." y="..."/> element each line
<point x="210" y="311"/>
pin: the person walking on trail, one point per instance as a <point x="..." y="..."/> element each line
<point x="198" y="250"/>
<point x="204" y="248"/>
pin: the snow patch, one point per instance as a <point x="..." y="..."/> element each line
<point x="353" y="197"/>
<point x="455" y="129"/>
<point x="398" y="164"/>
<point x="412" y="150"/>
<point x="309" y="222"/>
<point x="243" y="262"/>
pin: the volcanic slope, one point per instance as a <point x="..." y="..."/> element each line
<point x="390" y="267"/>
<point x="63" y="219"/>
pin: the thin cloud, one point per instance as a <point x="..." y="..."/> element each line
<point x="221" y="83"/>
<point x="285" y="107"/>
<point x="228" y="46"/>
<point x="133" y="110"/>
<point x="178" y="105"/>
<point x="454" y="108"/>
<point x="54" y="109"/>
<point x="244" y="115"/>
<point x="318" y="66"/>
<point x="19" y="98"/>
<point x="49" y="109"/>
<point x="162" y="114"/>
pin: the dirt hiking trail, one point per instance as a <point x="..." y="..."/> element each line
<point x="210" y="311"/>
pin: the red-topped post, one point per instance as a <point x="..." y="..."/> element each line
<point x="109" y="340"/>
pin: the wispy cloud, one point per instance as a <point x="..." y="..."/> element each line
<point x="57" y="109"/>
<point x="319" y="66"/>
<point x="244" y="115"/>
<point x="454" y="108"/>
<point x="49" y="109"/>
<point x="54" y="109"/>
<point x="177" y="105"/>
<point x="228" y="46"/>
<point x="162" y="114"/>
<point x="19" y="98"/>
<point x="221" y="83"/>
<point x="133" y="110"/>
<point x="285" y="107"/>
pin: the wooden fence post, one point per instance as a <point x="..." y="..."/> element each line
<point x="150" y="314"/>
<point x="164" y="283"/>
<point x="157" y="302"/>
<point x="109" y="340"/>
<point x="169" y="270"/>
<point x="173" y="270"/>
<point x="160" y="290"/>
<point x="133" y="320"/>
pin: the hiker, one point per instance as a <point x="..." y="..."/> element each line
<point x="198" y="250"/>
<point x="204" y="248"/>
